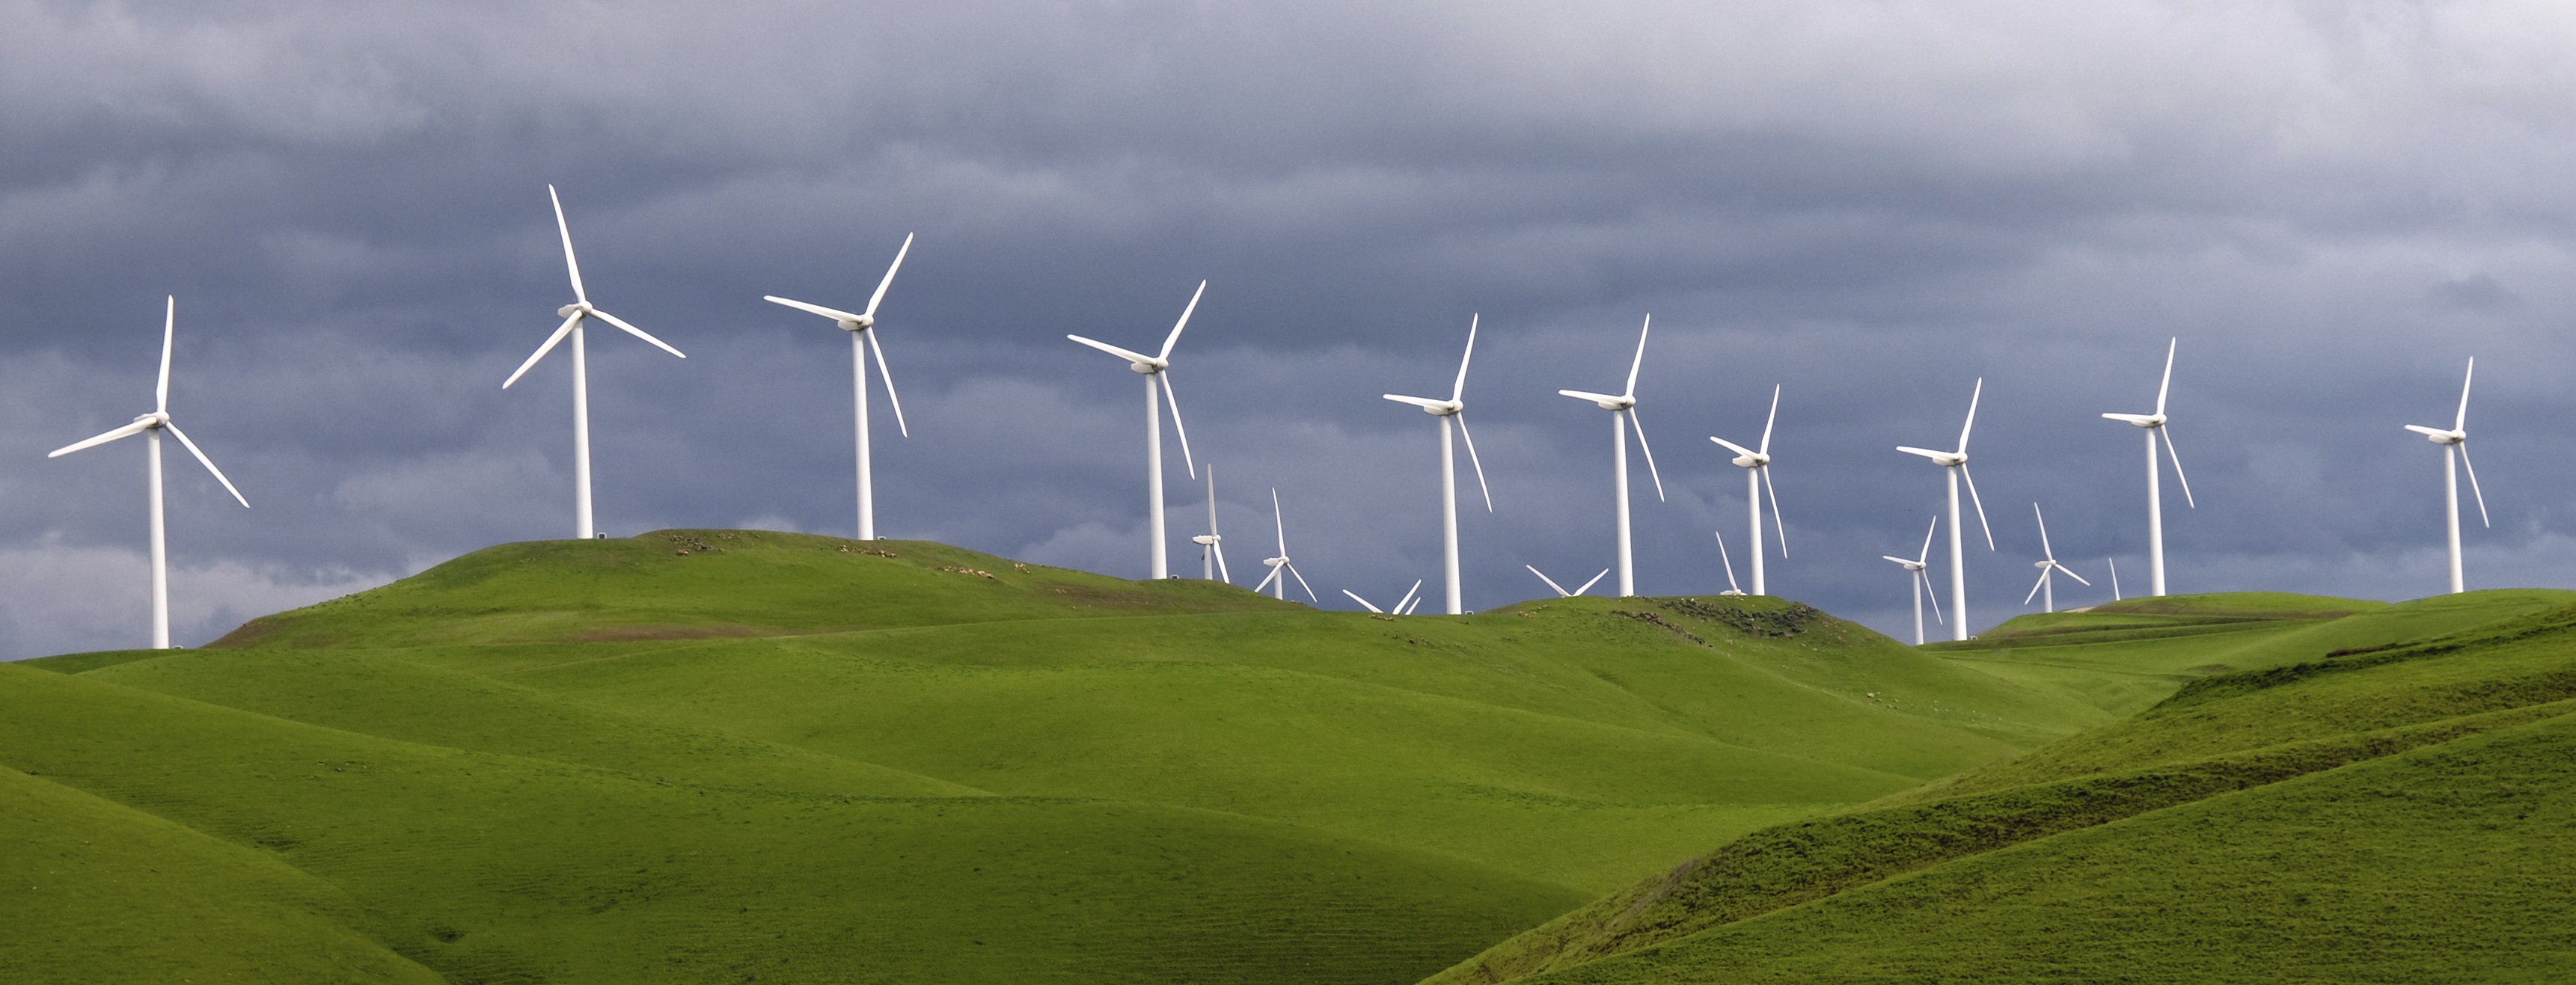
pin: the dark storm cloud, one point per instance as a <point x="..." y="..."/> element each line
<point x="1872" y="205"/>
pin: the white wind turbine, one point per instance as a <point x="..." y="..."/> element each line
<point x="861" y="340"/>
<point x="1623" y="414"/>
<point x="1918" y="582"/>
<point x="2155" y="426"/>
<point x="573" y="314"/>
<point x="1954" y="465"/>
<point x="1281" y="563"/>
<point x="1211" y="544"/>
<point x="1453" y="409"/>
<point x="1560" y="589"/>
<point x="1756" y="463"/>
<point x="1731" y="587"/>
<point x="2455" y="444"/>
<point x="1158" y="386"/>
<point x="150" y="426"/>
<point x="1398" y="608"/>
<point x="2046" y="589"/>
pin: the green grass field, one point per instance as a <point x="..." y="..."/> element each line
<point x="702" y="756"/>
<point x="2382" y="796"/>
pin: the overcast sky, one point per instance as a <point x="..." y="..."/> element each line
<point x="1871" y="205"/>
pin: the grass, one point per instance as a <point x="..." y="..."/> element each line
<point x="778" y="757"/>
<point x="2378" y="815"/>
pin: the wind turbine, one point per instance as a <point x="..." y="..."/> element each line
<point x="2455" y="444"/>
<point x="2155" y="426"/>
<point x="1560" y="589"/>
<point x="1211" y="544"/>
<point x="1623" y="413"/>
<point x="1156" y="369"/>
<point x="1756" y="463"/>
<point x="150" y="426"/>
<point x="1919" y="582"/>
<point x="2048" y="567"/>
<point x="1281" y="563"/>
<point x="1453" y="409"/>
<point x="1731" y="587"/>
<point x="573" y="314"/>
<point x="1955" y="465"/>
<point x="862" y="339"/>
<point x="1397" y="608"/>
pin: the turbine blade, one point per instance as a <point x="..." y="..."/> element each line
<point x="1408" y="594"/>
<point x="1640" y="362"/>
<point x="834" y="314"/>
<point x="1773" y="419"/>
<point x="1228" y="576"/>
<point x="1473" y="460"/>
<point x="1640" y="428"/>
<point x="127" y="431"/>
<point x="1971" y="424"/>
<point x="1587" y="586"/>
<point x="1355" y="597"/>
<point x="1172" y="400"/>
<point x="1732" y="446"/>
<point x="1423" y="402"/>
<point x="570" y="264"/>
<point x="888" y="376"/>
<point x="2167" y="386"/>
<point x="1728" y="561"/>
<point x="1925" y="452"/>
<point x="2129" y="418"/>
<point x="169" y="331"/>
<point x="2429" y="432"/>
<point x="207" y="462"/>
<point x="1926" y="556"/>
<point x="2044" y="550"/>
<point x="879" y="296"/>
<point x="1981" y="505"/>
<point x="1923" y="578"/>
<point x="1301" y="583"/>
<point x="2473" y="484"/>
<point x="1551" y="582"/>
<point x="1133" y="357"/>
<point x="1589" y="395"/>
<point x="1175" y="337"/>
<point x="2115" y="578"/>
<point x="1458" y="390"/>
<point x="1280" y="519"/>
<point x="2461" y="423"/>
<point x="2163" y="431"/>
<point x="1409" y="610"/>
<point x="2070" y="572"/>
<point x="1777" y="524"/>
<point x="638" y="333"/>
<point x="1898" y="560"/>
<point x="1265" y="582"/>
<point x="2034" y="587"/>
<point x="549" y="346"/>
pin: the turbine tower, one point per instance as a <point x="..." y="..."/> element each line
<point x="1954" y="465"/>
<point x="1623" y="414"/>
<point x="1919" y="582"/>
<point x="1281" y="563"/>
<point x="862" y="338"/>
<point x="2046" y="590"/>
<point x="1453" y="409"/>
<point x="1756" y="463"/>
<point x="2155" y="426"/>
<point x="2455" y="445"/>
<point x="573" y="315"/>
<point x="1156" y="370"/>
<point x="1211" y="544"/>
<point x="150" y="426"/>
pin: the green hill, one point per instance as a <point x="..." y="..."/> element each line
<point x="729" y="756"/>
<point x="2385" y="799"/>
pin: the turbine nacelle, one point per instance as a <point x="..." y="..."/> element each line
<point x="2141" y="420"/>
<point x="1744" y="457"/>
<point x="1435" y="408"/>
<point x="1602" y="400"/>
<point x="1908" y="564"/>
<point x="2439" y="436"/>
<point x="1206" y="540"/>
<point x="1945" y="459"/>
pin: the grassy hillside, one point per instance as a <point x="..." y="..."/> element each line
<point x="720" y="755"/>
<point x="2374" y="815"/>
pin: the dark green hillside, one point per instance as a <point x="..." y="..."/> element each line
<point x="803" y="759"/>
<point x="2394" y="814"/>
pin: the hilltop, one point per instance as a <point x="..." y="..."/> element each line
<point x="718" y="755"/>
<point x="2320" y="790"/>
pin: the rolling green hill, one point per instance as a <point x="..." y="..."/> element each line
<point x="2381" y="796"/>
<point x="731" y="756"/>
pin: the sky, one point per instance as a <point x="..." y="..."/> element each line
<point x="1870" y="205"/>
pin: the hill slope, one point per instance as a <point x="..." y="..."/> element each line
<point x="2363" y="817"/>
<point x="804" y="758"/>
